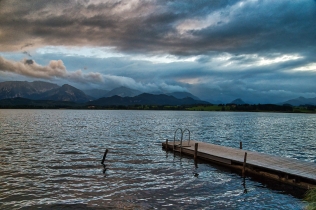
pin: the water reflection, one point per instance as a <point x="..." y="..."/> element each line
<point x="244" y="185"/>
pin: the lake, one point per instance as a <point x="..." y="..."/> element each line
<point x="51" y="159"/>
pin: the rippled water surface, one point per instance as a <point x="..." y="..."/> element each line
<point x="51" y="159"/>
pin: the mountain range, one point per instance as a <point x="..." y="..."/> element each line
<point x="145" y="99"/>
<point x="42" y="91"/>
<point x="128" y="92"/>
<point x="31" y="90"/>
<point x="123" y="92"/>
<point x="45" y="91"/>
<point x="301" y="101"/>
<point x="66" y="93"/>
<point x="96" y="93"/>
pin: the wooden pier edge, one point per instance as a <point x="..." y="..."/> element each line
<point x="243" y="168"/>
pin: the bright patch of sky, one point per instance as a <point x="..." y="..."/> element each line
<point x="110" y="52"/>
<point x="308" y="67"/>
<point x="191" y="81"/>
<point x="89" y="52"/>
<point x="224" y="59"/>
<point x="219" y="17"/>
<point x="198" y="24"/>
<point x="253" y="60"/>
<point x="279" y="59"/>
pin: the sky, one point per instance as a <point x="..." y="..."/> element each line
<point x="219" y="50"/>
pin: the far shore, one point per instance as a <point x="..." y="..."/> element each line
<point x="216" y="108"/>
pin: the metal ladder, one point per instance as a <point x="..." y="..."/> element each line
<point x="181" y="140"/>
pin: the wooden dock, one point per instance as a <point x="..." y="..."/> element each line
<point x="286" y="170"/>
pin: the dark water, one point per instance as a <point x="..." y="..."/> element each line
<point x="50" y="159"/>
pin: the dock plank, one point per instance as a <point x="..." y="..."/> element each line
<point x="227" y="155"/>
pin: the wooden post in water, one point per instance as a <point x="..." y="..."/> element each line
<point x="103" y="159"/>
<point x="166" y="144"/>
<point x="240" y="145"/>
<point x="244" y="165"/>
<point x="195" y="150"/>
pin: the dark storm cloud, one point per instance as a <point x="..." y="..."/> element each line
<point x="259" y="27"/>
<point x="29" y="62"/>
<point x="27" y="53"/>
<point x="162" y="26"/>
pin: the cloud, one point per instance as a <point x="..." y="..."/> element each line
<point x="55" y="69"/>
<point x="161" y="27"/>
<point x="155" y="86"/>
<point x="29" y="62"/>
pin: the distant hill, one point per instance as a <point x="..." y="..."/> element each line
<point x="96" y="93"/>
<point x="301" y="101"/>
<point x="145" y="99"/>
<point x="66" y="93"/>
<point x="181" y="95"/>
<point x="31" y="90"/>
<point x="123" y="92"/>
<point x="38" y="90"/>
<point x="238" y="101"/>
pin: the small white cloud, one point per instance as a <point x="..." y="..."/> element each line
<point x="245" y="61"/>
<point x="308" y="67"/>
<point x="262" y="61"/>
<point x="213" y="19"/>
<point x="87" y="52"/>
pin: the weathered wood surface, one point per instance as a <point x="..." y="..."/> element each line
<point x="227" y="155"/>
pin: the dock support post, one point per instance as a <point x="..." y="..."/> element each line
<point x="103" y="159"/>
<point x="240" y="145"/>
<point x="244" y="165"/>
<point x="195" y="150"/>
<point x="166" y="144"/>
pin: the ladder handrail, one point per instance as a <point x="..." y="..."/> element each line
<point x="189" y="136"/>
<point x="174" y="137"/>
